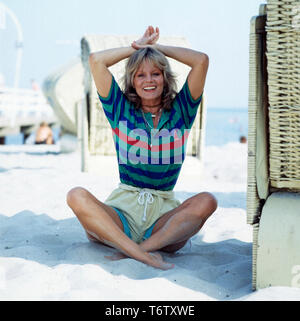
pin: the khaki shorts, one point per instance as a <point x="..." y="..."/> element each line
<point x="141" y="207"/>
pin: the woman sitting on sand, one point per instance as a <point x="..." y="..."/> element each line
<point x="141" y="216"/>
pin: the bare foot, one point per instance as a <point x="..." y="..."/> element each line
<point x="159" y="263"/>
<point x="156" y="261"/>
<point x="116" y="257"/>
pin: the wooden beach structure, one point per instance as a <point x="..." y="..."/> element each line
<point x="64" y="91"/>
<point x="94" y="130"/>
<point x="273" y="191"/>
<point x="22" y="111"/>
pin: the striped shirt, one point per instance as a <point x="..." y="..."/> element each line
<point x="147" y="157"/>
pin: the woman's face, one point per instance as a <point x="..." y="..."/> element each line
<point x="149" y="83"/>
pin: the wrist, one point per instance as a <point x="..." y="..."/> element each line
<point x="159" y="47"/>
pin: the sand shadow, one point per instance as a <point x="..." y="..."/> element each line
<point x="52" y="242"/>
<point x="2" y="169"/>
<point x="32" y="153"/>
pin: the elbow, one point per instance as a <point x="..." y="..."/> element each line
<point x="201" y="60"/>
<point x="96" y="59"/>
<point x="204" y="59"/>
<point x="92" y="59"/>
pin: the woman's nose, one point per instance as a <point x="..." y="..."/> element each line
<point x="148" y="77"/>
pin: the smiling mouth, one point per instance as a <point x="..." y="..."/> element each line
<point x="150" y="88"/>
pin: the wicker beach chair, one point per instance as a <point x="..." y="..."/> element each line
<point x="95" y="132"/>
<point x="273" y="199"/>
<point x="63" y="89"/>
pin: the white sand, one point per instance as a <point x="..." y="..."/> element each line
<point x="44" y="254"/>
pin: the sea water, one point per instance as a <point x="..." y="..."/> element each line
<point x="223" y="125"/>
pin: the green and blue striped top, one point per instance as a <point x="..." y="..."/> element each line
<point x="147" y="157"/>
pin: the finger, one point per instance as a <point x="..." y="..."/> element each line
<point x="157" y="33"/>
<point x="153" y="38"/>
<point x="137" y="46"/>
<point x="134" y="45"/>
<point x="157" y="30"/>
<point x="151" y="29"/>
<point x="147" y="32"/>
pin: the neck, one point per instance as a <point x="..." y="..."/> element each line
<point x="151" y="106"/>
<point x="153" y="109"/>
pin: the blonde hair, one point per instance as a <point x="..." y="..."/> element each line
<point x="161" y="62"/>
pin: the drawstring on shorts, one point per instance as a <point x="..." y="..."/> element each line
<point x="142" y="207"/>
<point x="141" y="200"/>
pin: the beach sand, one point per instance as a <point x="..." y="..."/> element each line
<point x="44" y="253"/>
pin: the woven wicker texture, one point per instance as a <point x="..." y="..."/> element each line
<point x="283" y="53"/>
<point x="257" y="182"/>
<point x="99" y="133"/>
<point x="254" y="254"/>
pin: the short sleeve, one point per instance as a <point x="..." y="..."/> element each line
<point x="113" y="104"/>
<point x="186" y="105"/>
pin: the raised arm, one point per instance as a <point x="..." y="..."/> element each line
<point x="198" y="61"/>
<point x="100" y="62"/>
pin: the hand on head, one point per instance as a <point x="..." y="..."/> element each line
<point x="149" y="38"/>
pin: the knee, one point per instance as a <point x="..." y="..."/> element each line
<point x="210" y="202"/>
<point x="203" y="204"/>
<point x="75" y="196"/>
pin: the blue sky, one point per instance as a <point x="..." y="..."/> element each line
<point x="52" y="30"/>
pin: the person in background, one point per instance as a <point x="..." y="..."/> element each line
<point x="34" y="85"/>
<point x="44" y="135"/>
<point x="243" y="139"/>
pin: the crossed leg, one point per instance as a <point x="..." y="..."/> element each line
<point x="176" y="227"/>
<point x="103" y="224"/>
<point x="170" y="233"/>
